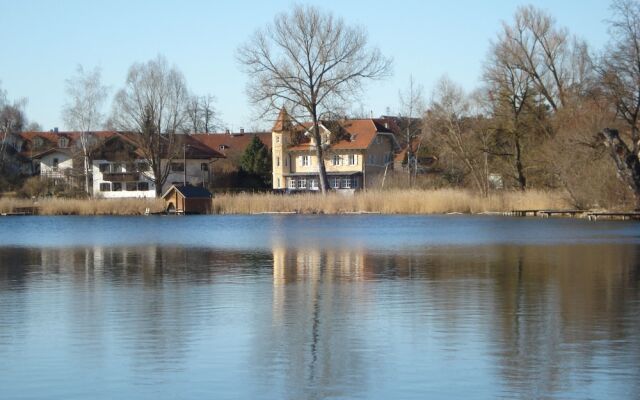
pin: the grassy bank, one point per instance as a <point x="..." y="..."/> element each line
<point x="385" y="202"/>
<point x="389" y="202"/>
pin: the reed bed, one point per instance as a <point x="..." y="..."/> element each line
<point x="441" y="201"/>
<point x="59" y="206"/>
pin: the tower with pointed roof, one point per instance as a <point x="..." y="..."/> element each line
<point x="280" y="138"/>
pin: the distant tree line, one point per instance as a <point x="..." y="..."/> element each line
<point x="551" y="113"/>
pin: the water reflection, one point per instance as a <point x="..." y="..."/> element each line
<point x="512" y="321"/>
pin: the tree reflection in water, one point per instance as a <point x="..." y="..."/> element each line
<point x="314" y="322"/>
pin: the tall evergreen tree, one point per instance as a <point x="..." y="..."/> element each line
<point x="256" y="162"/>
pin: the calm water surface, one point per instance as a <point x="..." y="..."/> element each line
<point x="317" y="307"/>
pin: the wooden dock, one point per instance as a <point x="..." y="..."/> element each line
<point x="570" y="213"/>
<point x="19" y="211"/>
<point x="593" y="216"/>
<point x="546" y="213"/>
<point x="590" y="215"/>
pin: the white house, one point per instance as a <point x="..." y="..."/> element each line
<point x="119" y="169"/>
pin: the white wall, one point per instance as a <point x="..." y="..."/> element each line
<point x="65" y="162"/>
<point x="194" y="176"/>
<point x="98" y="178"/>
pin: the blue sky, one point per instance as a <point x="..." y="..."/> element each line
<point x="43" y="41"/>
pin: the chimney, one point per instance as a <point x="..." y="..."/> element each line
<point x="227" y="131"/>
<point x="55" y="129"/>
<point x="242" y="130"/>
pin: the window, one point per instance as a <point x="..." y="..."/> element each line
<point x="352" y="159"/>
<point x="177" y="167"/>
<point x="105" y="187"/>
<point x="286" y="161"/>
<point x="355" y="182"/>
<point x="131" y="186"/>
<point x="372" y="159"/>
<point x="277" y="161"/>
<point x="346" y="183"/>
<point x="292" y="183"/>
<point x="63" y="142"/>
<point x="305" y="161"/>
<point x="116" y="186"/>
<point x="143" y="166"/>
<point x="335" y="182"/>
<point x="335" y="160"/>
<point x="104" y="167"/>
<point x="204" y="166"/>
<point x="378" y="139"/>
<point x="302" y="183"/>
<point x="278" y="184"/>
<point x="117" y="167"/>
<point x="277" y="138"/>
<point x="55" y="164"/>
<point x="143" y="186"/>
<point x="313" y="183"/>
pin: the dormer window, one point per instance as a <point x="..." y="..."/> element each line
<point x="63" y="142"/>
<point x="38" y="142"/>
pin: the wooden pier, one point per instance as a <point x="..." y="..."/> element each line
<point x="546" y="213"/>
<point x="590" y="215"/>
<point x="593" y="216"/>
<point x="18" y="211"/>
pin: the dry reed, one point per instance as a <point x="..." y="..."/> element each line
<point x="389" y="202"/>
<point x="59" y="206"/>
<point x="399" y="201"/>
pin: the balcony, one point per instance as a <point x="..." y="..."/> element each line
<point x="121" y="176"/>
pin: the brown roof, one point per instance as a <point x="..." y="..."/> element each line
<point x="283" y="122"/>
<point x="196" y="149"/>
<point x="231" y="144"/>
<point x="51" y="140"/>
<point x="360" y="133"/>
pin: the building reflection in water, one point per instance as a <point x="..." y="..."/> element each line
<point x="316" y="322"/>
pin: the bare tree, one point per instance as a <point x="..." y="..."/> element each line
<point x="456" y="131"/>
<point x="412" y="109"/>
<point x="83" y="110"/>
<point x="202" y="114"/>
<point x="510" y="89"/>
<point x="620" y="77"/>
<point x="152" y="106"/>
<point x="557" y="64"/>
<point x="309" y="61"/>
<point x="12" y="120"/>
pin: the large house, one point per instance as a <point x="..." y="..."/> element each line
<point x="355" y="151"/>
<point x="120" y="169"/>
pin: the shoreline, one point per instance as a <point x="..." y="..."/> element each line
<point x="389" y="202"/>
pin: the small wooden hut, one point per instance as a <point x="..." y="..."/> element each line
<point x="187" y="200"/>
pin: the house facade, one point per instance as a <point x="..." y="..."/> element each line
<point x="355" y="152"/>
<point x="120" y="170"/>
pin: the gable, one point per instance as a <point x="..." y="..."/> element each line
<point x="116" y="149"/>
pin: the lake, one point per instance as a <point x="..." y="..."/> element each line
<point x="319" y="307"/>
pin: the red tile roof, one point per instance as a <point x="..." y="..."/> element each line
<point x="231" y="144"/>
<point x="360" y="133"/>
